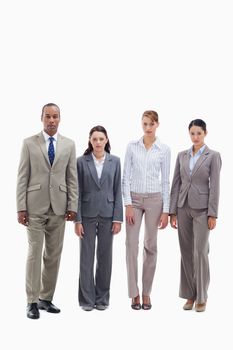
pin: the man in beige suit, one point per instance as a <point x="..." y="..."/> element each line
<point x="46" y="198"/>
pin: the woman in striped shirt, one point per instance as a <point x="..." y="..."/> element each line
<point x="145" y="191"/>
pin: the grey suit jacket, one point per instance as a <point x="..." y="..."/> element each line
<point x="201" y="188"/>
<point x="39" y="185"/>
<point x="99" y="197"/>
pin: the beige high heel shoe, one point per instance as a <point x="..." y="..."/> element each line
<point x="188" y="305"/>
<point x="200" y="307"/>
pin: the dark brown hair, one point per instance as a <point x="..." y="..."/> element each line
<point x="198" y="122"/>
<point x="98" y="128"/>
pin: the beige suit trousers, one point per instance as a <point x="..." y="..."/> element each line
<point x="45" y="237"/>
<point x="149" y="205"/>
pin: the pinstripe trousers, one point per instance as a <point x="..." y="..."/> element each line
<point x="94" y="287"/>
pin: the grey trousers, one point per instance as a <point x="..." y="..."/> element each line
<point x="149" y="205"/>
<point x="94" y="289"/>
<point x="45" y="237"/>
<point x="194" y="246"/>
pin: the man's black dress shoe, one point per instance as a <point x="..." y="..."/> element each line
<point x="32" y="311"/>
<point x="48" y="306"/>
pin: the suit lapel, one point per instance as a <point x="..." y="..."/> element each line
<point x="106" y="168"/>
<point x="59" y="147"/>
<point x="92" y="169"/>
<point x="186" y="163"/>
<point x="43" y="148"/>
<point x="200" y="160"/>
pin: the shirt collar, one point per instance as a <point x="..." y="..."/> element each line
<point x="201" y="150"/>
<point x="46" y="136"/>
<point x="97" y="160"/>
<point x="157" y="142"/>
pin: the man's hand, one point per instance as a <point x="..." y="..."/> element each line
<point x="70" y="215"/>
<point x="23" y="218"/>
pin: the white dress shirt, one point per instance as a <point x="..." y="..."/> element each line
<point x="147" y="171"/>
<point x="99" y="163"/>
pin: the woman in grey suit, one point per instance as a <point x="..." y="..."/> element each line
<point x="194" y="209"/>
<point x="100" y="214"/>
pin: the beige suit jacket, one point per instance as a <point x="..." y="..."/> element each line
<point x="201" y="188"/>
<point x="39" y="185"/>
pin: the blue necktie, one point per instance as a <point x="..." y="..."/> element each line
<point x="51" y="152"/>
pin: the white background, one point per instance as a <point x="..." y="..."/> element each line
<point x="105" y="62"/>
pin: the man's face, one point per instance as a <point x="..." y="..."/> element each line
<point x="50" y="119"/>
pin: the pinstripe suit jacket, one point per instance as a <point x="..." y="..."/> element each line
<point x="99" y="196"/>
<point x="201" y="188"/>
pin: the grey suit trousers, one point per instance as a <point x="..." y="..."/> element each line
<point x="95" y="290"/>
<point x="150" y="205"/>
<point x="45" y="236"/>
<point x="194" y="246"/>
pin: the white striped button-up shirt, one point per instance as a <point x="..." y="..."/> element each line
<point x="147" y="171"/>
